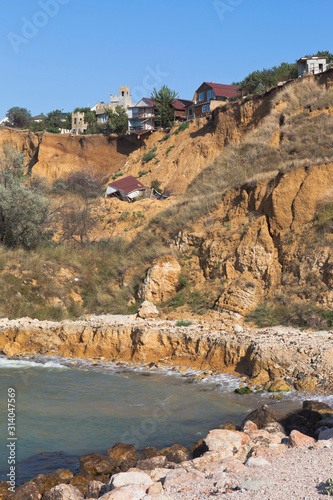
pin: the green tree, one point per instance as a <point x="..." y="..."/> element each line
<point x="117" y="122"/>
<point x="259" y="81"/>
<point x="89" y="116"/>
<point x="53" y="120"/>
<point x="24" y="213"/>
<point x="164" y="110"/>
<point x="19" y="117"/>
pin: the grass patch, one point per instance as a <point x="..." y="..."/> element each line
<point x="324" y="219"/>
<point x="143" y="172"/>
<point x="299" y="314"/>
<point x="165" y="138"/>
<point x="148" y="156"/>
<point x="169" y="149"/>
<point x="183" y="322"/>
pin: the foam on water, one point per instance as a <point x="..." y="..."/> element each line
<point x="6" y="363"/>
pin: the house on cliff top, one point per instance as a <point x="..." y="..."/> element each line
<point x="209" y="96"/>
<point x="311" y="65"/>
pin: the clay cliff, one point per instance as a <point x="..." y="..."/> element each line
<point x="56" y="155"/>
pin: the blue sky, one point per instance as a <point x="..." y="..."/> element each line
<point x="60" y="54"/>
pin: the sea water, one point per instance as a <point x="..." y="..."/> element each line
<point x="64" y="410"/>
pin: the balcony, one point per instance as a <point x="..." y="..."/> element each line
<point x="142" y="115"/>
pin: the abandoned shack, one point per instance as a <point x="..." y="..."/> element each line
<point x="125" y="189"/>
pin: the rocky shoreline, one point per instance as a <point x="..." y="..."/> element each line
<point x="274" y="359"/>
<point x="229" y="461"/>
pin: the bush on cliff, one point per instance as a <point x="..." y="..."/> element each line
<point x="24" y="213"/>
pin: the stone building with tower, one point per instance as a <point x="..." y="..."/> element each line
<point x="124" y="99"/>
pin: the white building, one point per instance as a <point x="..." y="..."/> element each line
<point x="141" y="117"/>
<point x="311" y="65"/>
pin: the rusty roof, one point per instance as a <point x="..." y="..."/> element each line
<point x="150" y="101"/>
<point x="180" y="104"/>
<point x="127" y="184"/>
<point x="222" y="90"/>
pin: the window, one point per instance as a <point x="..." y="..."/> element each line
<point x="123" y="93"/>
<point x="201" y="96"/>
<point x="206" y="108"/>
<point x="74" y="121"/>
<point x="210" y="95"/>
<point x="190" y="112"/>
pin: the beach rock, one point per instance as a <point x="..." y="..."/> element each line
<point x="234" y="466"/>
<point x="155" y="489"/>
<point x="199" y="449"/>
<point x="148" y="452"/>
<point x="96" y="464"/>
<point x="162" y="280"/>
<point x="45" y="482"/>
<point x="257" y="462"/>
<point x="127" y="478"/>
<point x="297" y="439"/>
<point x="245" y="437"/>
<point x="171" y="449"/>
<point x="206" y="461"/>
<point x="275" y="428"/>
<point x="128" y="492"/>
<point x="318" y="406"/>
<point x="222" y="440"/>
<point x="63" y="492"/>
<point x="325" y="434"/>
<point x="261" y="378"/>
<point x="27" y="491"/>
<point x="249" y="426"/>
<point x="82" y="480"/>
<point x="278" y="385"/>
<point x="307" y="383"/>
<point x="96" y="489"/>
<point x="158" y="474"/>
<point x="64" y="474"/>
<point x="152" y="463"/>
<point x="228" y="426"/>
<point x="122" y="451"/>
<point x="3" y="489"/>
<point x="326" y="422"/>
<point x="124" y="466"/>
<point x="147" y="310"/>
<point x="181" y="477"/>
<point x="303" y="421"/>
<point x="263" y="416"/>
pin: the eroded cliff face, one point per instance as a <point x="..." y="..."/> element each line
<point x="181" y="157"/>
<point x="56" y="155"/>
<point x="263" y="238"/>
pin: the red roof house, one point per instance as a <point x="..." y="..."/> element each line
<point x="207" y="96"/>
<point x="126" y="188"/>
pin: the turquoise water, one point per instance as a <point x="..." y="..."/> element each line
<point x="65" y="410"/>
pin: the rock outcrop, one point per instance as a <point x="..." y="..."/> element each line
<point x="262" y="240"/>
<point x="205" y="346"/>
<point x="162" y="280"/>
